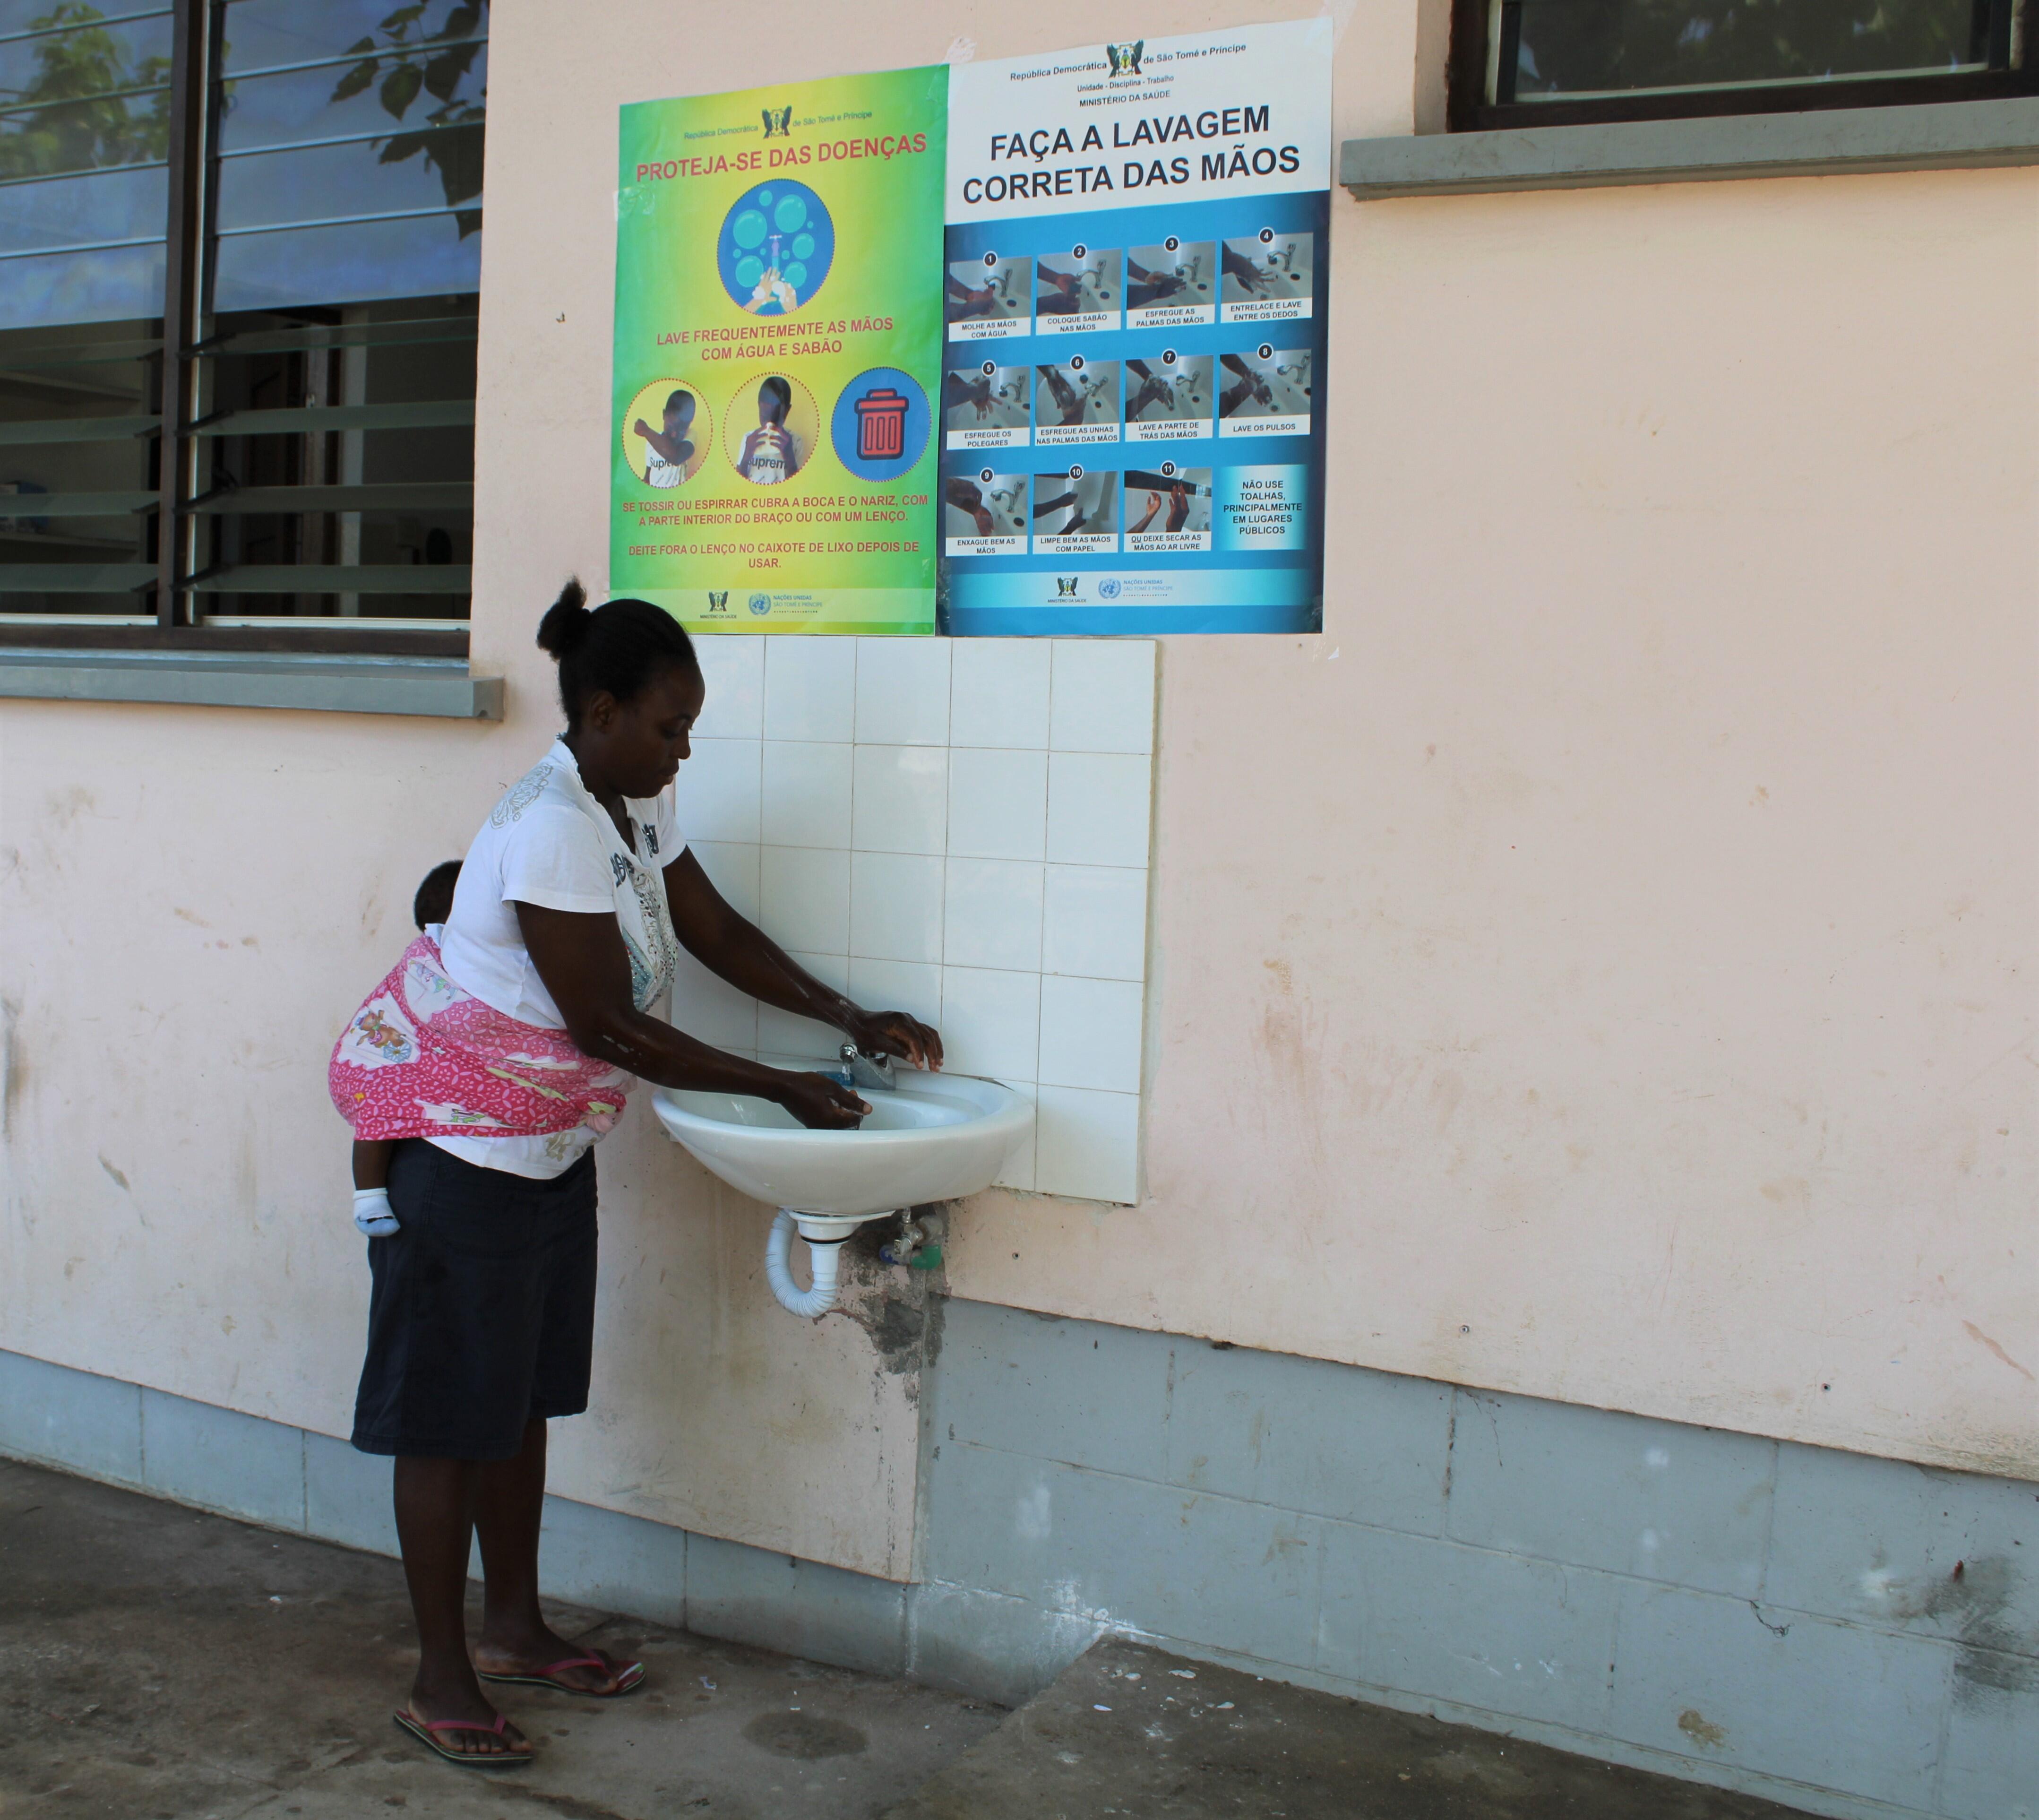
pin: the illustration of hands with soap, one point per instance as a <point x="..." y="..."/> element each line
<point x="957" y="390"/>
<point x="1143" y="288"/>
<point x="1153" y="390"/>
<point x="1068" y="287"/>
<point x="1251" y="386"/>
<point x="1069" y="401"/>
<point x="773" y="289"/>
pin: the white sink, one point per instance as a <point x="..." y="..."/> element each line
<point x="936" y="1137"/>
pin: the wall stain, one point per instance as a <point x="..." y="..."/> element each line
<point x="1983" y="1339"/>
<point x="1701" y="1730"/>
<point x="115" y="1173"/>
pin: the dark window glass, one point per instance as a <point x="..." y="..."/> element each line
<point x="385" y="500"/>
<point x="78" y="470"/>
<point x="1530" y="61"/>
<point x="1575" y="48"/>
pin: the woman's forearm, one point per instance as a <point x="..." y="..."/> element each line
<point x="655" y="1051"/>
<point x="752" y="962"/>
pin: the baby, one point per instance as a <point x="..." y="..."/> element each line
<point x="372" y="1212"/>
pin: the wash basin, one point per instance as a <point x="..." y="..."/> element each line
<point x="936" y="1137"/>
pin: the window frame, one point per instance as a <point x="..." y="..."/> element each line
<point x="1467" y="110"/>
<point x="197" y="41"/>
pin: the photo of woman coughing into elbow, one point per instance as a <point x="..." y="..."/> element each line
<point x="495" y="1059"/>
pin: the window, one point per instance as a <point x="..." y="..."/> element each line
<point x="240" y="247"/>
<point x="1562" y="62"/>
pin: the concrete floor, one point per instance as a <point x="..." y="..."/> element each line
<point x="156" y="1664"/>
<point x="1134" y="1731"/>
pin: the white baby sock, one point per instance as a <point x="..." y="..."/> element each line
<point x="373" y="1214"/>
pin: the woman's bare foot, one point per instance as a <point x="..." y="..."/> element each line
<point x="464" y="1706"/>
<point x="532" y="1651"/>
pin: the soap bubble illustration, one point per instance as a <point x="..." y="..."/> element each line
<point x="777" y="245"/>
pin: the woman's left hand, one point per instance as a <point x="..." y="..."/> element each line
<point x="896" y="1034"/>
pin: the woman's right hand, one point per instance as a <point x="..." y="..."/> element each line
<point x="820" y="1104"/>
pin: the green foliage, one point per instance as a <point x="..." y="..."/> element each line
<point x="79" y="124"/>
<point x="406" y="59"/>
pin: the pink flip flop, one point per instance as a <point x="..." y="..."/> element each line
<point x="627" y="1679"/>
<point x="423" y="1730"/>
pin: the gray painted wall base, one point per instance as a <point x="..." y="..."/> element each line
<point x="1786" y="1621"/>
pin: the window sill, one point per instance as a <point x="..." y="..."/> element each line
<point x="441" y="687"/>
<point x="1942" y="136"/>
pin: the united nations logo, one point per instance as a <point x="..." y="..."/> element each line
<point x="761" y="604"/>
<point x="1108" y="588"/>
<point x="717" y="602"/>
<point x="779" y="122"/>
<point x="1125" y="58"/>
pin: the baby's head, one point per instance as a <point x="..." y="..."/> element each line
<point x="679" y="413"/>
<point x="434" y="903"/>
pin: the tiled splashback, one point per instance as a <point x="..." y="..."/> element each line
<point x="955" y="828"/>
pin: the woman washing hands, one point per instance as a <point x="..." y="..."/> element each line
<point x="495" y="1059"/>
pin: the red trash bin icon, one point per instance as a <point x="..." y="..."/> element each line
<point x="881" y="425"/>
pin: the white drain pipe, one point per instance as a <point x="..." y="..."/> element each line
<point x="825" y="1255"/>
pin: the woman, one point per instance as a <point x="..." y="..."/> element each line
<point x="521" y="1032"/>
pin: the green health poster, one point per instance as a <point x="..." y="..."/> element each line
<point x="778" y="348"/>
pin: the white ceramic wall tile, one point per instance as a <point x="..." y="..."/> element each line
<point x="803" y="899"/>
<point x="787" y="1038"/>
<point x="1090" y="1033"/>
<point x="1018" y="1170"/>
<point x="896" y="799"/>
<point x="1087" y="1143"/>
<point x="711" y="1010"/>
<point x="991" y="1021"/>
<point x="733" y="666"/>
<point x="999" y="694"/>
<point x="806" y="795"/>
<point x="716" y="792"/>
<point x="1093" y="921"/>
<point x="907" y="985"/>
<point x="900" y="799"/>
<point x="992" y="917"/>
<point x="903" y="691"/>
<point x="895" y="906"/>
<point x="1102" y="696"/>
<point x="809" y="688"/>
<point x="1098" y="808"/>
<point x="731" y="867"/>
<point x="998" y="803"/>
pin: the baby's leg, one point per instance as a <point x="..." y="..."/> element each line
<point x="371" y="1162"/>
<point x="372" y="1211"/>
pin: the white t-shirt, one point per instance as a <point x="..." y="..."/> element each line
<point x="537" y="847"/>
<point x="768" y="462"/>
<point x="658" y="472"/>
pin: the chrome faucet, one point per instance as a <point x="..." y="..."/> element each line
<point x="873" y="1071"/>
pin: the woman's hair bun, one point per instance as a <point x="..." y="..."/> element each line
<point x="566" y="622"/>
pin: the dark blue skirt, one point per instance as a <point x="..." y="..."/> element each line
<point x="482" y="1315"/>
